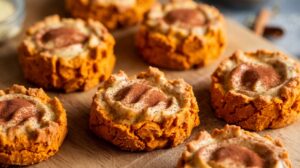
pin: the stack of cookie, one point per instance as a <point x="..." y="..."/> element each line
<point x="254" y="90"/>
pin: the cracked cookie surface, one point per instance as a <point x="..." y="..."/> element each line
<point x="232" y="147"/>
<point x="112" y="13"/>
<point x="32" y="126"/>
<point x="257" y="90"/>
<point x="67" y="54"/>
<point x="145" y="112"/>
<point x="181" y="35"/>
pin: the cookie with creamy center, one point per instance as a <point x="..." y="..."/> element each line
<point x="120" y="3"/>
<point x="257" y="90"/>
<point x="32" y="126"/>
<point x="181" y="35"/>
<point x="112" y="13"/>
<point x="144" y="112"/>
<point x="185" y="18"/>
<point x="232" y="147"/>
<point x="67" y="54"/>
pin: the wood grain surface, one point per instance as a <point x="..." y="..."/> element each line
<point x="81" y="148"/>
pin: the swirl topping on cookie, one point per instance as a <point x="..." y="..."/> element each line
<point x="254" y="77"/>
<point x="239" y="155"/>
<point x="64" y="37"/>
<point x="233" y="147"/>
<point x="141" y="94"/>
<point x="147" y="96"/>
<point x="19" y="111"/>
<point x="183" y="17"/>
<point x="253" y="73"/>
<point x="123" y="3"/>
<point x="16" y="109"/>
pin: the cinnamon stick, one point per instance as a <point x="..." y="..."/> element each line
<point x="273" y="32"/>
<point x="261" y="21"/>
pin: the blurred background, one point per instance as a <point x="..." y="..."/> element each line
<point x="285" y="16"/>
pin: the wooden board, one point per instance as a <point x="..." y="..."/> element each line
<point x="82" y="149"/>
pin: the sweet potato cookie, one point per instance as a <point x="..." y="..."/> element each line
<point x="181" y="35"/>
<point x="32" y="126"/>
<point x="145" y="112"/>
<point x="112" y="13"/>
<point x="257" y="90"/>
<point x="232" y="147"/>
<point x="67" y="54"/>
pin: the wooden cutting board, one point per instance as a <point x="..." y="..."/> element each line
<point x="82" y="149"/>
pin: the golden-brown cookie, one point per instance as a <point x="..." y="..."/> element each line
<point x="145" y="112"/>
<point x="257" y="90"/>
<point x="232" y="147"/>
<point x="32" y="126"/>
<point x="67" y="54"/>
<point x="112" y="13"/>
<point x="181" y="35"/>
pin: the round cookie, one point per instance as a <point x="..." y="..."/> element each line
<point x="67" y="54"/>
<point x="232" y="147"/>
<point x="144" y="112"/>
<point x="257" y="90"/>
<point x="32" y="126"/>
<point x="181" y="35"/>
<point x="112" y="13"/>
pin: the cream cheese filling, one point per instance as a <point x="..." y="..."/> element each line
<point x="123" y="3"/>
<point x="33" y="123"/>
<point x="204" y="150"/>
<point x="72" y="50"/>
<point x="157" y="13"/>
<point x="166" y="99"/>
<point x="286" y="70"/>
<point x="161" y="108"/>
